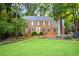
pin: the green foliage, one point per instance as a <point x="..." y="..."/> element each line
<point x="8" y="22"/>
<point x="6" y="27"/>
<point x="10" y="28"/>
<point x="41" y="33"/>
<point x="68" y="12"/>
<point x="34" y="33"/>
<point x="20" y="25"/>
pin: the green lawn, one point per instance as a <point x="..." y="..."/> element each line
<point x="41" y="47"/>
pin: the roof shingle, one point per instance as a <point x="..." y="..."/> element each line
<point x="37" y="18"/>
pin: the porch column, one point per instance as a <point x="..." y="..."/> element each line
<point x="58" y="25"/>
<point x="59" y="30"/>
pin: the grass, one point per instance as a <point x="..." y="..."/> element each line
<point x="41" y="47"/>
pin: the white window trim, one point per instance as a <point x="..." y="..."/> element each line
<point x="38" y="23"/>
<point x="43" y="22"/>
<point x="32" y="23"/>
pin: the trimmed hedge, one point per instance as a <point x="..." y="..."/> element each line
<point x="35" y="33"/>
<point x="41" y="33"/>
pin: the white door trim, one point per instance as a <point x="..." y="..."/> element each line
<point x="38" y="29"/>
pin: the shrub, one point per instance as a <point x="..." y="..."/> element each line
<point x="34" y="33"/>
<point x="41" y="33"/>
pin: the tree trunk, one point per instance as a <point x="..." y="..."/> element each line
<point x="75" y="17"/>
<point x="16" y="25"/>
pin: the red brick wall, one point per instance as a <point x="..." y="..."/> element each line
<point x="46" y="26"/>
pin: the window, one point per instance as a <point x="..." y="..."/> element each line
<point x="32" y="29"/>
<point x="43" y="22"/>
<point x="32" y="23"/>
<point x="38" y="29"/>
<point x="49" y="23"/>
<point x="38" y="23"/>
<point x="44" y="29"/>
<point x="48" y="29"/>
<point x="54" y="30"/>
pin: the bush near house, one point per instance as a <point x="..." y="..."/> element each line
<point x="34" y="33"/>
<point x="41" y="33"/>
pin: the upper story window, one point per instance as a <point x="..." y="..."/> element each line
<point x="38" y="23"/>
<point x="32" y="23"/>
<point x="43" y="22"/>
<point x="49" y="23"/>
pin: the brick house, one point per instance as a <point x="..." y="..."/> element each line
<point x="40" y="24"/>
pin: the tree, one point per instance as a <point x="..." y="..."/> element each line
<point x="8" y="20"/>
<point x="19" y="22"/>
<point x="68" y="12"/>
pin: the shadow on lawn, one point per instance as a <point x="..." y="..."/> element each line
<point x="12" y="40"/>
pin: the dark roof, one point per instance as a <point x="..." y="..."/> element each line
<point x="31" y="18"/>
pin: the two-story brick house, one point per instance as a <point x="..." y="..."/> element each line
<point x="40" y="24"/>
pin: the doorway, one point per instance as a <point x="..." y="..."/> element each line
<point x="38" y="29"/>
